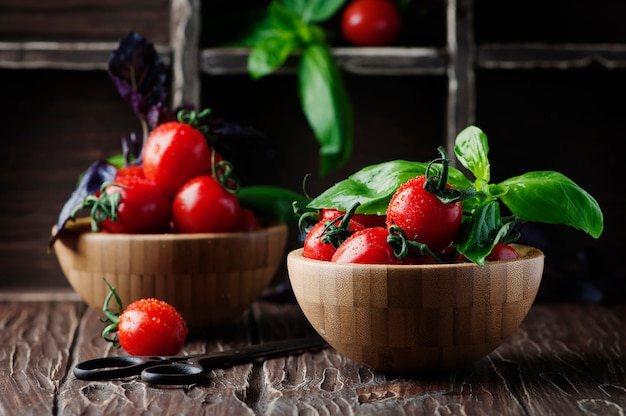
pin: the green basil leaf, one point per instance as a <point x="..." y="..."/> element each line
<point x="270" y="53"/>
<point x="313" y="11"/>
<point x="276" y="38"/>
<point x="481" y="231"/>
<point x="373" y="186"/>
<point x="471" y="149"/>
<point x="271" y="203"/>
<point x="551" y="197"/>
<point x="326" y="106"/>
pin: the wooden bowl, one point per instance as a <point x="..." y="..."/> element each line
<point x="209" y="278"/>
<point x="419" y="318"/>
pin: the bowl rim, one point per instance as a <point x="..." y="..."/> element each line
<point x="81" y="228"/>
<point x="530" y="253"/>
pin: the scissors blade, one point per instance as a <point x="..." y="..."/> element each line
<point x="267" y="350"/>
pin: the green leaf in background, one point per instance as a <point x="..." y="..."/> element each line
<point x="373" y="186"/>
<point x="269" y="54"/>
<point x="274" y="40"/>
<point x="271" y="203"/>
<point x="326" y="106"/>
<point x="314" y="11"/>
<point x="551" y="197"/>
<point x="288" y="28"/>
<point x="472" y="150"/>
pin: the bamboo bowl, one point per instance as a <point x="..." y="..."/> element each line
<point x="419" y="318"/>
<point x="209" y="278"/>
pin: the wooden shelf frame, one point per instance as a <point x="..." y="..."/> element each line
<point x="457" y="60"/>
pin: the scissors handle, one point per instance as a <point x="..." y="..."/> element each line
<point x="187" y="369"/>
<point x="108" y="368"/>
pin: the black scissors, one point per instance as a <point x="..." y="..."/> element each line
<point x="181" y="370"/>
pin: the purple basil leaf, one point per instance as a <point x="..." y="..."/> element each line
<point x="90" y="182"/>
<point x="140" y="77"/>
<point x="132" y="149"/>
<point x="225" y="129"/>
<point x="252" y="153"/>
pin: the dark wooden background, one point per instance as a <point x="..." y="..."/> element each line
<point x="55" y="123"/>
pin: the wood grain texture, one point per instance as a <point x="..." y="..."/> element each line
<point x="84" y="20"/>
<point x="35" y="347"/>
<point x="564" y="359"/>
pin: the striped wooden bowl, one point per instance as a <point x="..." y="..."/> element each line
<point x="411" y="319"/>
<point x="209" y="278"/>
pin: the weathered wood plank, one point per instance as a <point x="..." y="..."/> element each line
<point x="563" y="359"/>
<point x="35" y="343"/>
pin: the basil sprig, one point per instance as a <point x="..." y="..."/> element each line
<point x="540" y="196"/>
<point x="291" y="27"/>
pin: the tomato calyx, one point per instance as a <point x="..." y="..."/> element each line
<point x="403" y="247"/>
<point x="195" y="119"/>
<point x="102" y="207"/>
<point x="436" y="182"/>
<point x="113" y="318"/>
<point x="306" y="219"/>
<point x="335" y="234"/>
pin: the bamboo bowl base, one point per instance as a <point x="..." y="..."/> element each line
<point x="209" y="278"/>
<point x="421" y="318"/>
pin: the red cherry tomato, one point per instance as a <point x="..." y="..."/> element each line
<point x="314" y="248"/>
<point x="502" y="251"/>
<point x="367" y="220"/>
<point x="151" y="327"/>
<point x="142" y="208"/>
<point x="174" y="153"/>
<point x="202" y="205"/>
<point x="367" y="246"/>
<point x="247" y="221"/>
<point x="371" y="23"/>
<point x="422" y="216"/>
<point x="130" y="171"/>
<point x="145" y="327"/>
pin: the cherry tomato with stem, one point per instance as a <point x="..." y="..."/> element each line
<point x="323" y="239"/>
<point x="174" y="153"/>
<point x="129" y="204"/>
<point x="145" y="327"/>
<point x="367" y="246"/>
<point x="422" y="216"/>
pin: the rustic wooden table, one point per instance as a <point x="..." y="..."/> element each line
<point x="565" y="359"/>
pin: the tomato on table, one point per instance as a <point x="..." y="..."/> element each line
<point x="371" y="22"/>
<point x="145" y="327"/>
